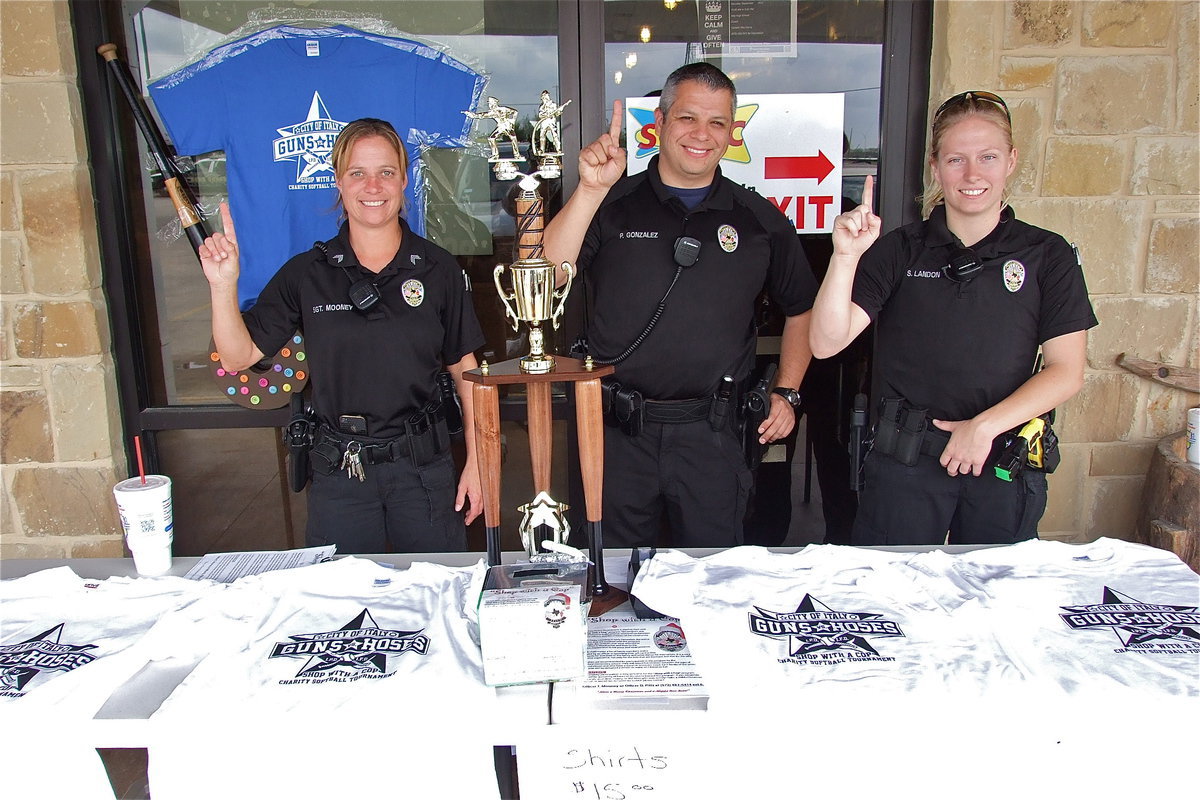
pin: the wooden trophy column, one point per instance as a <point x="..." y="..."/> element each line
<point x="588" y="410"/>
<point x="487" y="433"/>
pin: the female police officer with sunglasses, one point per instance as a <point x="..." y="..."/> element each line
<point x="383" y="311"/>
<point x="962" y="302"/>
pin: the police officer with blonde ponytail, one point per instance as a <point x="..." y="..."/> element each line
<point x="963" y="302"/>
<point x="383" y="312"/>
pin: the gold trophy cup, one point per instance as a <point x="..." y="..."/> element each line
<point x="535" y="300"/>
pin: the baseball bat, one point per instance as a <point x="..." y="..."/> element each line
<point x="181" y="198"/>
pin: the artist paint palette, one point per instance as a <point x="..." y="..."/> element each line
<point x="269" y="383"/>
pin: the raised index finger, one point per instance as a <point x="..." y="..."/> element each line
<point x="227" y="221"/>
<point x="614" y="125"/>
<point x="868" y="191"/>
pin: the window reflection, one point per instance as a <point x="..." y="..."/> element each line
<point x="793" y="47"/>
<point x="514" y="43"/>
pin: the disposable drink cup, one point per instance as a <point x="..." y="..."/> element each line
<point x="1193" y="431"/>
<point x="145" y="510"/>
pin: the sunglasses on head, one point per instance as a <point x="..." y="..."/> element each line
<point x="965" y="97"/>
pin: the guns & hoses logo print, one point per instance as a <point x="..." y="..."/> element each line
<point x="21" y="662"/>
<point x="360" y="649"/>
<point x="1141" y="627"/>
<point x="817" y="634"/>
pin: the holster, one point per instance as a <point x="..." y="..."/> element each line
<point x="427" y="433"/>
<point x="298" y="437"/>
<point x="900" y="431"/>
<point x="623" y="408"/>
<point x="451" y="408"/>
<point x="326" y="455"/>
<point x="1051" y="455"/>
<point x="756" y="407"/>
<point x="1015" y="456"/>
<point x="719" y="407"/>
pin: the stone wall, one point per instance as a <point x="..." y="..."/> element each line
<point x="1104" y="97"/>
<point x="60" y="447"/>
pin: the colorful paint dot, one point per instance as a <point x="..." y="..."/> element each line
<point x="255" y="400"/>
<point x="300" y="375"/>
<point x="231" y="390"/>
<point x="297" y="339"/>
<point x="273" y="389"/>
<point x="287" y="373"/>
<point x="263" y="382"/>
<point x="278" y="367"/>
<point x="285" y="352"/>
<point x="299" y="355"/>
<point x="214" y="357"/>
<point x="244" y="378"/>
<point x="245" y="390"/>
<point x="220" y="372"/>
<point x="287" y="387"/>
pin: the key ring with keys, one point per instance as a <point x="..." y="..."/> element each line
<point x="352" y="461"/>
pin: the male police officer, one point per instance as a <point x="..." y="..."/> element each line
<point x="673" y="260"/>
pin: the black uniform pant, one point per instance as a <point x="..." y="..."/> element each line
<point x="826" y="426"/>
<point x="398" y="508"/>
<point x="918" y="505"/>
<point x="686" y="476"/>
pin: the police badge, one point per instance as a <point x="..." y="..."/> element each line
<point x="727" y="236"/>
<point x="413" y="291"/>
<point x="1014" y="275"/>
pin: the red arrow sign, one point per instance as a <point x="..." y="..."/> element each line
<point x="817" y="166"/>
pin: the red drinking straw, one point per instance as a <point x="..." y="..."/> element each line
<point x="137" y="445"/>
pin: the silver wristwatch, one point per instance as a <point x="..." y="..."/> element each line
<point x="791" y="395"/>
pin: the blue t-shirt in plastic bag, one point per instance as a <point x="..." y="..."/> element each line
<point x="275" y="102"/>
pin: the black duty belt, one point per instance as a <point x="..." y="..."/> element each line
<point x="373" y="451"/>
<point x="627" y="408"/>
<point x="677" y="411"/>
<point x="424" y="439"/>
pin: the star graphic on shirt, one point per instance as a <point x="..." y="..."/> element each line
<point x="1137" y="623"/>
<point x="359" y="646"/>
<point x="309" y="143"/>
<point x="21" y="662"/>
<point x="815" y="627"/>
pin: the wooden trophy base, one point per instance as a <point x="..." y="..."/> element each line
<point x="590" y="424"/>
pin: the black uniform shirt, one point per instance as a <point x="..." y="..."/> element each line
<point x="707" y="328"/>
<point x="960" y="348"/>
<point x="382" y="364"/>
